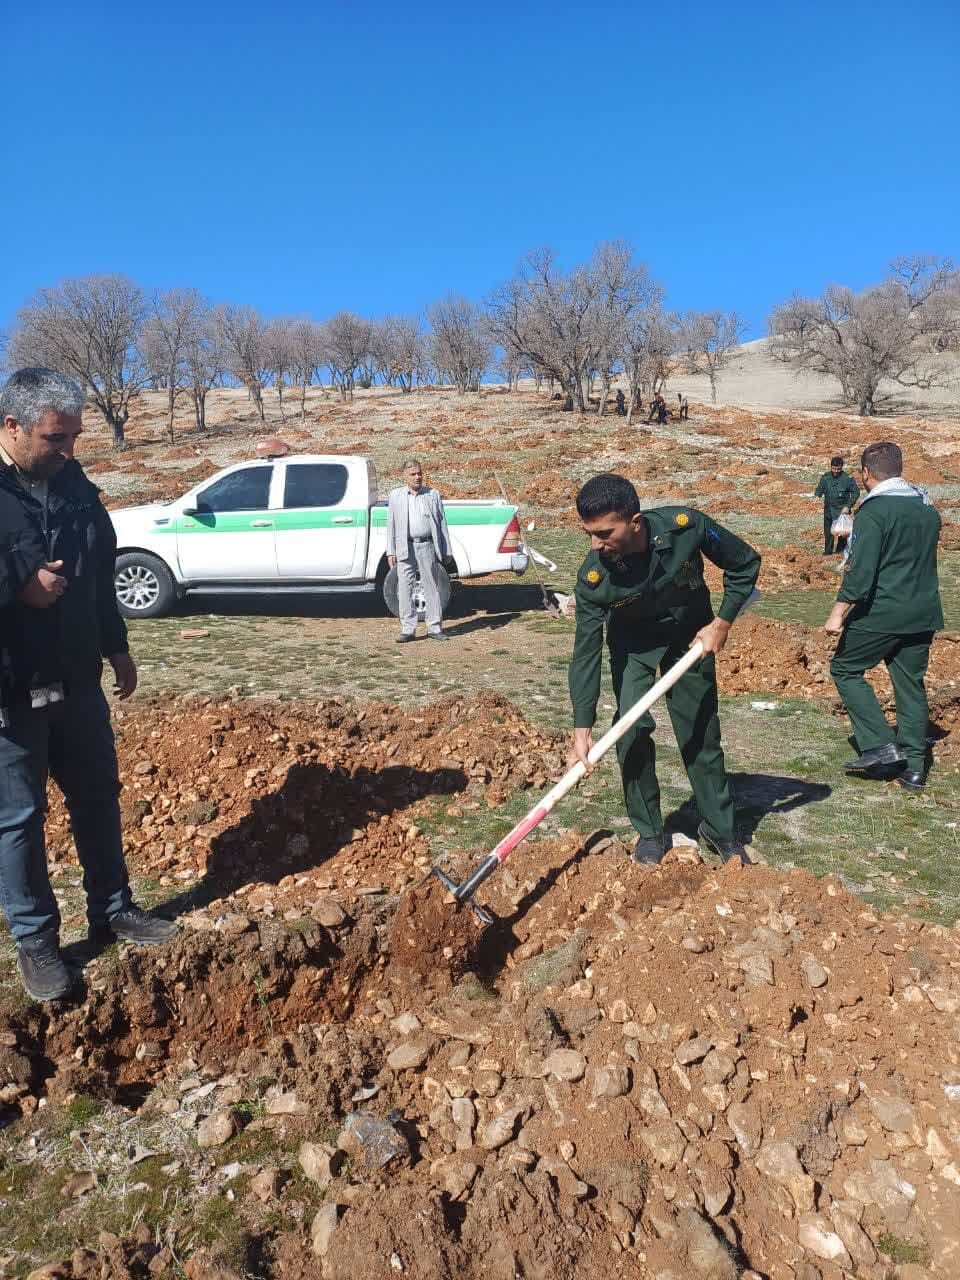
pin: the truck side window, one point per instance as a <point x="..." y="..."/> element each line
<point x="247" y="490"/>
<point x="314" y="484"/>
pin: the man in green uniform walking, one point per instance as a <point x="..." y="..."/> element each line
<point x="887" y="610"/>
<point x="839" y="492"/>
<point x="643" y="579"/>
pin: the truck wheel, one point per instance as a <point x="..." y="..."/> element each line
<point x="144" y="585"/>
<point x="391" y="593"/>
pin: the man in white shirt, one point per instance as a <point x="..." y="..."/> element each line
<point x="418" y="541"/>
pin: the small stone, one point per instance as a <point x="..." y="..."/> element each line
<point x="319" y="1163"/>
<point x="216" y="1129"/>
<point x="894" y="1113"/>
<point x="619" y="1012"/>
<point x="78" y="1184"/>
<point x="411" y="1055"/>
<point x="692" y="1051"/>
<point x="143" y="769"/>
<point x="745" y="1124"/>
<point x="487" y="1084"/>
<point x="610" y="1082"/>
<point x="464" y="1115"/>
<point x="266" y="1185"/>
<point x="455" y="1175"/>
<point x="406" y="1024"/>
<point x="884" y="1187"/>
<point x="695" y="945"/>
<point x="707" y="1254"/>
<point x="718" y="1067"/>
<point x="565" y="1064"/>
<point x="285" y="1104"/>
<point x="780" y="1161"/>
<point x="851" y="1131"/>
<point x="858" y="1243"/>
<point x="500" y="1130"/>
<point x="814" y="972"/>
<point x="567" y="1150"/>
<point x="323" y="1226"/>
<point x="814" y="1234"/>
<point x="328" y="912"/>
<point x="942" y="1000"/>
<point x="665" y="1143"/>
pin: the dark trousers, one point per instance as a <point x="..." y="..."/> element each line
<point x="72" y="741"/>
<point x="906" y="658"/>
<point x="692" y="706"/>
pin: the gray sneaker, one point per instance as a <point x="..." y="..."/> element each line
<point x="42" y="967"/>
<point x="649" y="850"/>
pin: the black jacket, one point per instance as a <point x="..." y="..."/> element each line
<point x="67" y="641"/>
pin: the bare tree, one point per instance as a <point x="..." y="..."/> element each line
<point x="88" y="327"/>
<point x="173" y="317"/>
<point x="306" y="350"/>
<point x="460" y="346"/>
<point x="570" y="326"/>
<point x="346" y="345"/>
<point x="278" y="355"/>
<point x="396" y="346"/>
<point x="204" y="360"/>
<point x="892" y="332"/>
<point x="240" y="332"/>
<point x="649" y="342"/>
<point x="706" y="339"/>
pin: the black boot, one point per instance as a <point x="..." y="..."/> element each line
<point x="42" y="968"/>
<point x="133" y="925"/>
<point x="878" y="762"/>
<point x="913" y="780"/>
<point x="725" y="849"/>
<point x="649" y="850"/>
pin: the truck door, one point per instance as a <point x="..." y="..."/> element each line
<point x="322" y="525"/>
<point x="230" y="537"/>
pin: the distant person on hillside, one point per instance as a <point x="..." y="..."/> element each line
<point x="418" y="542"/>
<point x="684" y="405"/>
<point x="839" y="492"/>
<point x="887" y="610"/>
<point x="621" y="404"/>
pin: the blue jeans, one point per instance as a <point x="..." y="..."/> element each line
<point x="72" y="741"/>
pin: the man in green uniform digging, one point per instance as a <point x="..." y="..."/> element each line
<point x="887" y="610"/>
<point x="839" y="492"/>
<point x="643" y="579"/>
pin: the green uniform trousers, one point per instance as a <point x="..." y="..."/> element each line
<point x="906" y="658"/>
<point x="692" y="704"/>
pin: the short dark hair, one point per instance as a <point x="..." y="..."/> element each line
<point x="883" y="460"/>
<point x="836" y="461"/>
<point x="607" y="494"/>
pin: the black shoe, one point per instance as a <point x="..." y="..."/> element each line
<point x="725" y="849"/>
<point x="912" y="780"/>
<point x="437" y="635"/>
<point x="649" y="850"/>
<point x="133" y="925"/>
<point x="878" y="762"/>
<point x="403" y="638"/>
<point x="42" y="968"/>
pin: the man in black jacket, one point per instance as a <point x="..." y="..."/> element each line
<point x="60" y="622"/>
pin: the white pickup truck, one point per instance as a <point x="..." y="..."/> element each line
<point x="295" y="524"/>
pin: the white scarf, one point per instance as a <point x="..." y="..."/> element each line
<point x="897" y="487"/>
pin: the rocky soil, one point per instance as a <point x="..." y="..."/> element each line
<point x="682" y="1072"/>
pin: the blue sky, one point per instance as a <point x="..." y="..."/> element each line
<point x="310" y="157"/>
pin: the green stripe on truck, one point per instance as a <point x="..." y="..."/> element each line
<point x="333" y="518"/>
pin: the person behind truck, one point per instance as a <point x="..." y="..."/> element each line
<point x="643" y="580"/>
<point x="839" y="492"/>
<point x="887" y="610"/>
<point x="418" y="542"/>
<point x="54" y="636"/>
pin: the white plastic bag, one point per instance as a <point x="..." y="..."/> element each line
<point x="842" y="527"/>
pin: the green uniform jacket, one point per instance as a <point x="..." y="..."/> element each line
<point x="661" y="596"/>
<point x="891" y="576"/>
<point x="837" y="492"/>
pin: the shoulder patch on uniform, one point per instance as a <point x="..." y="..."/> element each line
<point x="592" y="576"/>
<point x="681" y="520"/>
